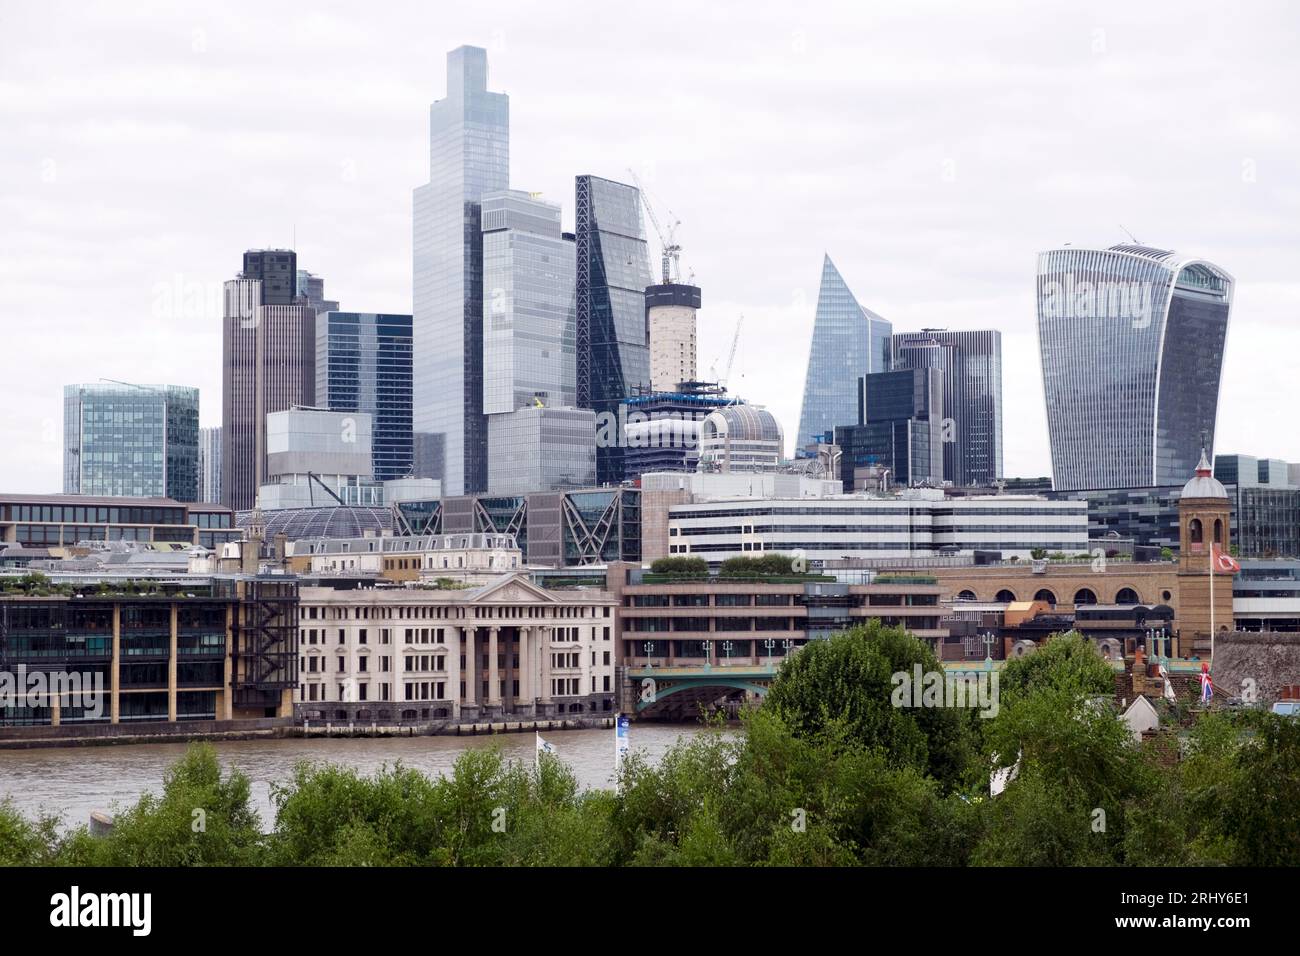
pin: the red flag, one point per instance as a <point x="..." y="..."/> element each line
<point x="1224" y="563"/>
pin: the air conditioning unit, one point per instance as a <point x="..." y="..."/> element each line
<point x="1023" y="648"/>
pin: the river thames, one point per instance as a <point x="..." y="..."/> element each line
<point x="71" y="782"/>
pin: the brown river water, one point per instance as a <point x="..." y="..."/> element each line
<point x="73" y="782"/>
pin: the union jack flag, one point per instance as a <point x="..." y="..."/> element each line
<point x="1207" y="685"/>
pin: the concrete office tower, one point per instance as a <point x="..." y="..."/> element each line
<point x="529" y="322"/>
<point x="312" y="288"/>
<point x="900" y="429"/>
<point x="971" y="367"/>
<point x="848" y="342"/>
<point x="210" y="465"/>
<point x="140" y="441"/>
<point x="469" y="155"/>
<point x="612" y="276"/>
<point x="670" y="319"/>
<point x="363" y="364"/>
<point x="268" y="364"/>
<point x="541" y="449"/>
<point x="315" y="455"/>
<point x="1131" y="340"/>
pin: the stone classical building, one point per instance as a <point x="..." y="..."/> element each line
<point x="506" y="649"/>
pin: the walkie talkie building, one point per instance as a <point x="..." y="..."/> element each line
<point x="1131" y="340"/>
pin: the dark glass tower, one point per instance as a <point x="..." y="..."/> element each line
<point x="848" y="342"/>
<point x="971" y="367"/>
<point x="469" y="155"/>
<point x="899" y="428"/>
<point x="363" y="364"/>
<point x="613" y="271"/>
<point x="1131" y="340"/>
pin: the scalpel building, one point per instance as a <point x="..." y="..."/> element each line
<point x="1131" y="340"/>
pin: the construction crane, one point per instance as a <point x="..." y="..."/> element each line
<point x="731" y="356"/>
<point x="672" y="251"/>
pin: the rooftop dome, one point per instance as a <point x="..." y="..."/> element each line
<point x="743" y="423"/>
<point x="1204" y="484"/>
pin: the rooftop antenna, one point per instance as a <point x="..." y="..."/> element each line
<point x="1136" y="240"/>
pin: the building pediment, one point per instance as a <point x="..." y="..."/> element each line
<point x="513" y="589"/>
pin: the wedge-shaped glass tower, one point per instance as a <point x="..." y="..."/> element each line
<point x="848" y="342"/>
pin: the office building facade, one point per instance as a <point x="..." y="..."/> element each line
<point x="311" y="287"/>
<point x="1131" y="341"/>
<point x="899" y="429"/>
<point x="848" y="342"/>
<point x="364" y="364"/>
<point x="970" y="367"/>
<point x="914" y="524"/>
<point x="268" y="365"/>
<point x="45" y="521"/>
<point x="613" y="272"/>
<point x="529" y="312"/>
<point x="741" y="438"/>
<point x="131" y="440"/>
<point x="210" y="465"/>
<point x="541" y="449"/>
<point x="469" y="155"/>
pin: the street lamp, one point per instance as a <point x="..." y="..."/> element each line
<point x="728" y="647"/>
<point x="649" y="647"/>
<point x="770" y="644"/>
<point x="708" y="654"/>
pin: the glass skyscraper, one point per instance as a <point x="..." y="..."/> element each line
<point x="848" y="342"/>
<point x="139" y="441"/>
<point x="613" y="271"/>
<point x="210" y="465"/>
<point x="529" y="320"/>
<point x="363" y="364"/>
<point x="971" y="367"/>
<point x="469" y="155"/>
<point x="1131" y="340"/>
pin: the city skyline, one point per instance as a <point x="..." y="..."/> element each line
<point x="939" y="227"/>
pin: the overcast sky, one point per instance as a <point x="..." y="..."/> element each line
<point x="931" y="149"/>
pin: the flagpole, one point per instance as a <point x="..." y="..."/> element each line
<point x="1212" y="560"/>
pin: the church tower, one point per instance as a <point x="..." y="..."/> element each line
<point x="1203" y="520"/>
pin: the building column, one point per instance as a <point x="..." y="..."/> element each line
<point x="453" y="670"/>
<point x="228" y="665"/>
<point x="471" y="665"/>
<point x="171" y="668"/>
<point x="544" y="653"/>
<point x="494" y="671"/>
<point x="525" y="672"/>
<point x="115" y="668"/>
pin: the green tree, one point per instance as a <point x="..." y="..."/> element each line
<point x="201" y="819"/>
